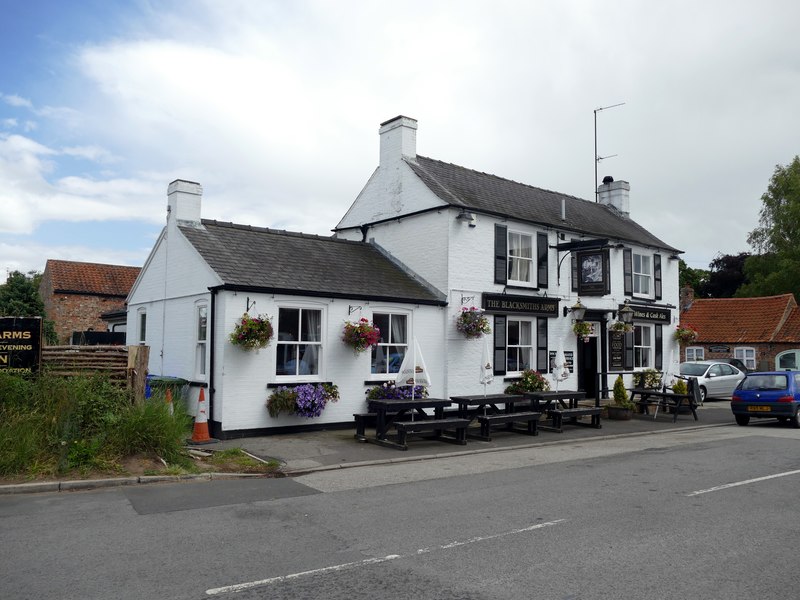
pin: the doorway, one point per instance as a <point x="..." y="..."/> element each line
<point x="587" y="367"/>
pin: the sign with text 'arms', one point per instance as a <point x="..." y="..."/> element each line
<point x="20" y="344"/>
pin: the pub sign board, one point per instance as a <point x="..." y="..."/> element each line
<point x="20" y="344"/>
<point x="516" y="304"/>
<point x="649" y="313"/>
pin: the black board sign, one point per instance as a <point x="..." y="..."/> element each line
<point x="20" y="344"/>
<point x="616" y="351"/>
<point x="530" y="305"/>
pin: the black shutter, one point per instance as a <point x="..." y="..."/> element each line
<point x="541" y="244"/>
<point x="627" y="267"/>
<point x="606" y="272"/>
<point x="659" y="348"/>
<point x="657" y="275"/>
<point x="629" y="351"/>
<point x="542" y="362"/>
<point x="499" y="345"/>
<point x="500" y="254"/>
<point x="574" y="268"/>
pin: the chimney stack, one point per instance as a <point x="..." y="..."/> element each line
<point x="615" y="194"/>
<point x="183" y="202"/>
<point x="398" y="139"/>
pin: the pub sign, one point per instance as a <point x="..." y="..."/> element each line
<point x="509" y="303"/>
<point x="20" y="344"/>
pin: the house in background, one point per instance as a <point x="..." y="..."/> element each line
<point x="764" y="333"/>
<point x="76" y="295"/>
<point x="423" y="240"/>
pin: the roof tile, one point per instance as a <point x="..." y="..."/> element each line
<point x="744" y="320"/>
<point x="91" y="278"/>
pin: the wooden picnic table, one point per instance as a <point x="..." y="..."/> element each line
<point x="663" y="399"/>
<point x="563" y="404"/>
<point x="409" y="416"/>
<point x="485" y="409"/>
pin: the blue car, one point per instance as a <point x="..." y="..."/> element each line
<point x="774" y="394"/>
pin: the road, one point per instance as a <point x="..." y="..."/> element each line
<point x="706" y="514"/>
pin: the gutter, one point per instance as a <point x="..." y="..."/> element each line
<point x="212" y="344"/>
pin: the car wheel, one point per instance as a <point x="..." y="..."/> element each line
<point x="703" y="394"/>
<point x="796" y="419"/>
<point x="742" y="420"/>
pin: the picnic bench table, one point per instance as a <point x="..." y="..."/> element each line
<point x="409" y="417"/>
<point x="663" y="399"/>
<point x="563" y="404"/>
<point x="484" y="408"/>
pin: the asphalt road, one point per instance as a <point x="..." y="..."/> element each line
<point x="696" y="514"/>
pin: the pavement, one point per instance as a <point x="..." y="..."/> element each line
<point x="337" y="448"/>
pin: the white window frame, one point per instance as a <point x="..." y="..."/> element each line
<point x="201" y="340"/>
<point x="521" y="260"/>
<point x="384" y="346"/>
<point x="532" y="347"/>
<point x="279" y="344"/>
<point x="642" y="274"/>
<point x="793" y="353"/>
<point x="644" y="352"/>
<point x="746" y="354"/>
<point x="141" y="326"/>
<point x="694" y="353"/>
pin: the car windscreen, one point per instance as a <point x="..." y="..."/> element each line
<point x="693" y="369"/>
<point x="765" y="382"/>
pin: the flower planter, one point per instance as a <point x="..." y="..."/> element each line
<point x="619" y="413"/>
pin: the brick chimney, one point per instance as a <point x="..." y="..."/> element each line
<point x="398" y="139"/>
<point x="615" y="194"/>
<point x="183" y="202"/>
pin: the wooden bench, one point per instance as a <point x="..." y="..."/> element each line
<point x="364" y="419"/>
<point x="438" y="426"/>
<point x="559" y="414"/>
<point x="531" y="418"/>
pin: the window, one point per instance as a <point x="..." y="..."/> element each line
<point x="641" y="274"/>
<point x="142" y="326"/>
<point x="642" y="346"/>
<point x="519" y="344"/>
<point x="747" y="356"/>
<point x="299" y="344"/>
<point x="520" y="258"/>
<point x="787" y="360"/>
<point x="388" y="355"/>
<point x="695" y="353"/>
<point x="201" y="340"/>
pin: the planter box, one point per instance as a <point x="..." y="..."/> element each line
<point x="617" y="413"/>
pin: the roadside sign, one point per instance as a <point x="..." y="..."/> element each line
<point x="20" y="344"/>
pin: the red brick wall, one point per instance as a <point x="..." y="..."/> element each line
<point x="765" y="353"/>
<point x="75" y="312"/>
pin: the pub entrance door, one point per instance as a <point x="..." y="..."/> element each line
<point x="587" y="367"/>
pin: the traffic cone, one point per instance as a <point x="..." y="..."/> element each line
<point x="200" y="432"/>
<point x="168" y="400"/>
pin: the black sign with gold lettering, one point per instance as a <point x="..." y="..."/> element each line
<point x="616" y="351"/>
<point x="506" y="303"/>
<point x="646" y="313"/>
<point x="20" y="344"/>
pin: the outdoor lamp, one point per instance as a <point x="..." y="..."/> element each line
<point x="578" y="310"/>
<point x="626" y="313"/>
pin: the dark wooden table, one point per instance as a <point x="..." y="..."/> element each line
<point x="471" y="407"/>
<point x="663" y="399"/>
<point x="391" y="411"/>
<point x="558" y="404"/>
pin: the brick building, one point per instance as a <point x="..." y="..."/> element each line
<point x="764" y="333"/>
<point x="76" y="294"/>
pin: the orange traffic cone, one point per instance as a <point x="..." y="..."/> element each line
<point x="168" y="400"/>
<point x="200" y="433"/>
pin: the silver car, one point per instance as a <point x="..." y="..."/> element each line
<point x="716" y="379"/>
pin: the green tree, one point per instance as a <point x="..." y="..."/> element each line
<point x="694" y="278"/>
<point x="19" y="297"/>
<point x="775" y="269"/>
<point x="725" y="276"/>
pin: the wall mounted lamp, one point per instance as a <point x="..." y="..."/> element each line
<point x="625" y="314"/>
<point x="467" y="216"/>
<point x="578" y="310"/>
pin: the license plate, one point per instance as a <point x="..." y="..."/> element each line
<point x="759" y="408"/>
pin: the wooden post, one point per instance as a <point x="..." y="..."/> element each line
<point x="138" y="359"/>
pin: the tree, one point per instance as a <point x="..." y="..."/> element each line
<point x="776" y="267"/>
<point x="694" y="278"/>
<point x="19" y="297"/>
<point x="726" y="275"/>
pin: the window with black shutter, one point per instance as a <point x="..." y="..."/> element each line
<point x="499" y="345"/>
<point x="542" y="359"/>
<point x="659" y="351"/>
<point x="500" y="254"/>
<point x="629" y="351"/>
<point x="627" y="266"/>
<point x="542" y="250"/>
<point x="657" y="275"/>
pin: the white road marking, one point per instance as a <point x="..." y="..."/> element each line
<point x="738" y="483"/>
<point x="239" y="587"/>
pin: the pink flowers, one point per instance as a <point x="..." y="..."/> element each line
<point x="472" y="322"/>
<point x="361" y="335"/>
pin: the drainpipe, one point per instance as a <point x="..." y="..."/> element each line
<point x="212" y="344"/>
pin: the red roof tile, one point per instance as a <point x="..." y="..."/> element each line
<point x="91" y="278"/>
<point x="738" y="320"/>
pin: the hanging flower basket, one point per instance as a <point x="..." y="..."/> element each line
<point x="621" y="327"/>
<point x="305" y="400"/>
<point x="472" y="322"/>
<point x="252" y="333"/>
<point x="686" y="334"/>
<point x="583" y="330"/>
<point x="360" y="335"/>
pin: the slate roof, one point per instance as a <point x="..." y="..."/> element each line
<point x="261" y="259"/>
<point x="744" y="320"/>
<point x="91" y="279"/>
<point x="462" y="187"/>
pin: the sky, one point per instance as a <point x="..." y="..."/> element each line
<point x="274" y="108"/>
